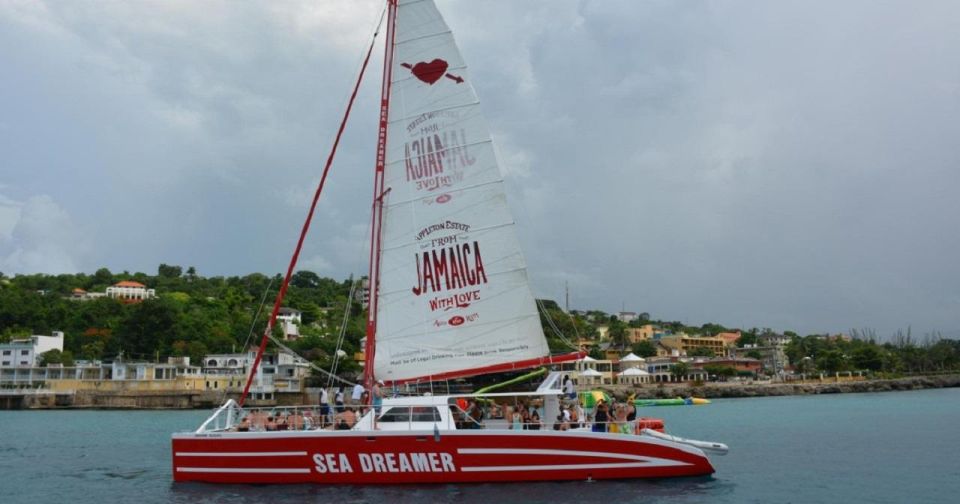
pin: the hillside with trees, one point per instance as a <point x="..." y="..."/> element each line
<point x="194" y="315"/>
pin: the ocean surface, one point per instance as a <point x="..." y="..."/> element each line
<point x="897" y="447"/>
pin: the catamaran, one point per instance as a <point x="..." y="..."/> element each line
<point x="449" y="298"/>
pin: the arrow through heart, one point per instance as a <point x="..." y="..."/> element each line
<point x="431" y="72"/>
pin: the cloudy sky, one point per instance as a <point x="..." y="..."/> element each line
<point x="792" y="165"/>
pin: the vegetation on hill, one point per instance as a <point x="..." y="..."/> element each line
<point x="194" y="315"/>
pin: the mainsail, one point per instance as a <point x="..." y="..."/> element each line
<point x="453" y="289"/>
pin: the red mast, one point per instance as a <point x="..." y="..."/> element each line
<point x="378" y="195"/>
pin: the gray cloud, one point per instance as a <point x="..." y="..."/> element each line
<point x="791" y="165"/>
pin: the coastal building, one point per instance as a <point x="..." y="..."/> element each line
<point x="627" y="316"/>
<point x="773" y="339"/>
<point x="772" y="358"/>
<point x="632" y="360"/>
<point x="221" y="373"/>
<point x="26" y="352"/>
<point x="665" y="351"/>
<point x="729" y="338"/>
<point x="740" y="364"/>
<point x="684" y="343"/>
<point x="290" y="320"/>
<point x="661" y="370"/>
<point x="119" y="375"/>
<point x="590" y="371"/>
<point x="129" y="291"/>
<point x="643" y="333"/>
<point x="634" y="376"/>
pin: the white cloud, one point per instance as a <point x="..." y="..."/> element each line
<point x="43" y="238"/>
<point x="741" y="163"/>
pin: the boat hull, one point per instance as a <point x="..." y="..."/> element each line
<point x="352" y="457"/>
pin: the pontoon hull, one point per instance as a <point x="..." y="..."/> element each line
<point x="349" y="457"/>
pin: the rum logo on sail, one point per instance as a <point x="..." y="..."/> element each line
<point x="455" y="267"/>
<point x="434" y="159"/>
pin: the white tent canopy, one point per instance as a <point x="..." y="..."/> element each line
<point x="631" y="357"/>
<point x="634" y="372"/>
<point x="590" y="372"/>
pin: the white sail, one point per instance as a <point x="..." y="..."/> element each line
<point x="453" y="290"/>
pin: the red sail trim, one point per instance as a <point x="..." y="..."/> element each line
<point x="303" y="232"/>
<point x="496" y="368"/>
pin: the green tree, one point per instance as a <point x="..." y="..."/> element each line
<point x="832" y="361"/>
<point x="304" y="279"/>
<point x="618" y="333"/>
<point x="720" y="371"/>
<point x="747" y="338"/>
<point x="103" y="277"/>
<point x="644" y="348"/>
<point x="867" y="356"/>
<point x="55" y="356"/>
<point x="680" y="370"/>
<point x="169" y="271"/>
<point x="701" y="352"/>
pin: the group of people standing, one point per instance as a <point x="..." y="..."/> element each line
<point x="344" y="414"/>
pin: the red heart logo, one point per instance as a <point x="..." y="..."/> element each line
<point x="430" y="72"/>
<point x="457" y="320"/>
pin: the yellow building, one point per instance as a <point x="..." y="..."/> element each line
<point x="642" y="333"/>
<point x="685" y="343"/>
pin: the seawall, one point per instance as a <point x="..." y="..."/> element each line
<point x="761" y="389"/>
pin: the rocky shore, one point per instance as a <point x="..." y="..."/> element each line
<point x="761" y="389"/>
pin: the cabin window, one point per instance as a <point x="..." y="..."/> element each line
<point x="424" y="414"/>
<point x="395" y="415"/>
<point x="232" y="362"/>
<point x="6" y="352"/>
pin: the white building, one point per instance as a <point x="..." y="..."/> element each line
<point x="26" y="352"/>
<point x="290" y="321"/>
<point x="129" y="291"/>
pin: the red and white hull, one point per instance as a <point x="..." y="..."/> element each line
<point x="337" y="457"/>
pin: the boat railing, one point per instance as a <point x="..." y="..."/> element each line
<point x="231" y="417"/>
<point x="223" y="418"/>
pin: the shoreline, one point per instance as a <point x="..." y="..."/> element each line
<point x="761" y="389"/>
<point x="126" y="401"/>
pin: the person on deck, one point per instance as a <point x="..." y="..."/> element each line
<point x="324" y="407"/>
<point x="600" y="417"/>
<point x="338" y="400"/>
<point x="357" y="394"/>
<point x="568" y="388"/>
<point x="364" y="401"/>
<point x="377" y="396"/>
<point x="534" y="421"/>
<point x="516" y="419"/>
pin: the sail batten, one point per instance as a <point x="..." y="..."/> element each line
<point x="453" y="292"/>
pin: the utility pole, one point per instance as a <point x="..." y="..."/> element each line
<point x="567" y="288"/>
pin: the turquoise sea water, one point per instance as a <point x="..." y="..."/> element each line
<point x="900" y="447"/>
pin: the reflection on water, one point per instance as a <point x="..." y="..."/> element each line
<point x="645" y="491"/>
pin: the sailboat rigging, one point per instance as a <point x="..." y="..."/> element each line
<point x="449" y="297"/>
